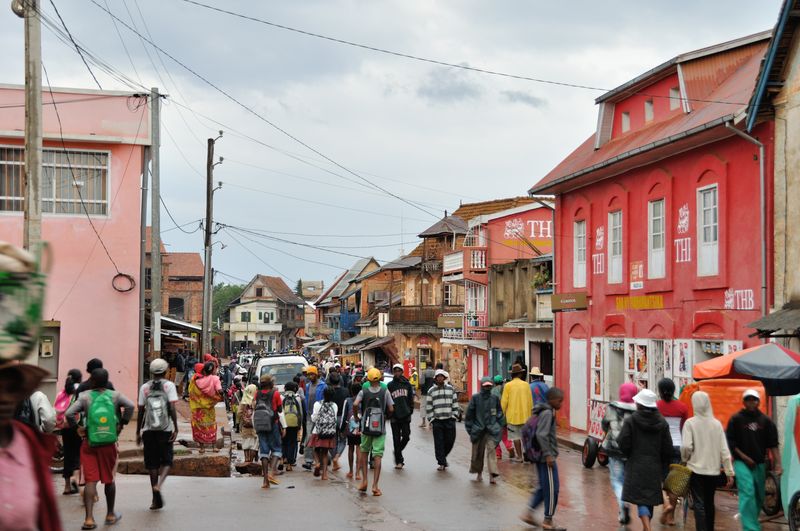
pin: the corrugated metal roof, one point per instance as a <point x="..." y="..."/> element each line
<point x="737" y="87"/>
<point x="446" y="226"/>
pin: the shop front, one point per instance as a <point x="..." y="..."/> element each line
<point x="467" y="362"/>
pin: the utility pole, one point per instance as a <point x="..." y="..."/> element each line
<point x="32" y="227"/>
<point x="208" y="274"/>
<point x="155" y="223"/>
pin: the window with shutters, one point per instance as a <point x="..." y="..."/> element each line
<point x="615" y="247"/>
<point x="655" y="240"/>
<point x="579" y="254"/>
<point x="707" y="232"/>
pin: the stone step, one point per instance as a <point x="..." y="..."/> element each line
<point x="207" y="465"/>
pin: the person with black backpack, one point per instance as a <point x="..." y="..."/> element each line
<point x="157" y="427"/>
<point x="270" y="426"/>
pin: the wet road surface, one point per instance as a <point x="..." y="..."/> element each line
<point x="415" y="498"/>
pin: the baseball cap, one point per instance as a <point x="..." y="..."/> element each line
<point x="373" y="375"/>
<point x="158" y="366"/>
<point x="486" y="381"/>
<point x="751" y="392"/>
<point x="397" y="366"/>
<point x="498" y="379"/>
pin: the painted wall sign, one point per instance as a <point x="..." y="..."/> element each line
<point x="683" y="250"/>
<point x="540" y="228"/>
<point x="450" y="321"/>
<point x="683" y="219"/>
<point x="599" y="238"/>
<point x="640" y="302"/>
<point x="598" y="263"/>
<point x="565" y="302"/>
<point x="513" y="228"/>
<point x="637" y="275"/>
<point x="739" y="299"/>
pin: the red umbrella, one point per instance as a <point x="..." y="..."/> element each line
<point x="778" y="368"/>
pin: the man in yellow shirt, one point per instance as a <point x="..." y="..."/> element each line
<point x="517" y="404"/>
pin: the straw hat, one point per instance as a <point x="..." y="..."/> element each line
<point x="25" y="378"/>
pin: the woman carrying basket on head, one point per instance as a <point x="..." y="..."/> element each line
<point x="704" y="448"/>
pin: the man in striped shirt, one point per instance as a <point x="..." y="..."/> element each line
<point x="442" y="411"/>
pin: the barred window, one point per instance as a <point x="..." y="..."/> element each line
<point x="61" y="194"/>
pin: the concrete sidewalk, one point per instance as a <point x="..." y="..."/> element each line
<point x="187" y="461"/>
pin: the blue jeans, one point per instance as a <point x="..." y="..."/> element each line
<point x="616" y="472"/>
<point x="269" y="443"/>
<point x="547" y="490"/>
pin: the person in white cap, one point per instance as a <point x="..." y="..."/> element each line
<point x="751" y="434"/>
<point x="403" y="395"/>
<point x="157" y="427"/>
<point x="647" y="457"/>
<point x="442" y="412"/>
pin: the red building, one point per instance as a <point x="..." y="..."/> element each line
<point x="499" y="322"/>
<point x="659" y="248"/>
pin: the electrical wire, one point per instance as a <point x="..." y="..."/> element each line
<point x="198" y="221"/>
<point x="179" y="227"/>
<point x="218" y="272"/>
<point x="461" y="66"/>
<point x="124" y="46"/>
<point x="266" y="120"/>
<point x="308" y="260"/>
<point x="77" y="48"/>
<point x="258" y="257"/>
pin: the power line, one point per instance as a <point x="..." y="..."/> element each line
<point x="265" y="119"/>
<point x="218" y="272"/>
<point x="179" y="227"/>
<point x="258" y="257"/>
<point x="198" y="221"/>
<point x="334" y="235"/>
<point x="77" y="49"/>
<point x="124" y="46"/>
<point x="308" y="260"/>
<point x="462" y="66"/>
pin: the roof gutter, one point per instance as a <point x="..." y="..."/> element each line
<point x="752" y="109"/>
<point x="632" y="153"/>
<point x="763" y="209"/>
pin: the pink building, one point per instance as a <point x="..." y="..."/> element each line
<point x="92" y="168"/>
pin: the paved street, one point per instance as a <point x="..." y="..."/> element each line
<point x="417" y="497"/>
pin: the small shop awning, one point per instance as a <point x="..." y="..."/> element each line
<point x="379" y="342"/>
<point x="787" y="318"/>
<point x="326" y="346"/>
<point x="477" y="343"/>
<point x="356" y="340"/>
<point x="170" y="323"/>
<point x="316" y="343"/>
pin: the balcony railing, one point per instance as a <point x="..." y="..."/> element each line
<point x="478" y="259"/>
<point x="418" y="314"/>
<point x="476" y="237"/>
<point x="471" y="321"/>
<point x="453" y="262"/>
<point x="348" y="321"/>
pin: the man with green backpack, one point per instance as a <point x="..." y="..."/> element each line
<point x="105" y="413"/>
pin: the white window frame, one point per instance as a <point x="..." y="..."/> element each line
<point x="707" y="249"/>
<point x="626" y="121"/>
<point x="615" y="247"/>
<point x="674" y="98"/>
<point x="649" y="111"/>
<point x="449" y="294"/>
<point x="80" y="172"/>
<point x="579" y="254"/>
<point x="476" y="298"/>
<point x="656" y="239"/>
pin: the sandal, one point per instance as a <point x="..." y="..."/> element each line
<point x="376" y="492"/>
<point x="362" y="487"/>
<point x="113" y="519"/>
<point x="89" y="526"/>
<point x="274" y="481"/>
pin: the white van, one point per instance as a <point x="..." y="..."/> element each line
<point x="282" y="367"/>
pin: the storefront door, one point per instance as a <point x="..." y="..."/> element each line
<point x="578" y="385"/>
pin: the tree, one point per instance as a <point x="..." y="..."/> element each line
<point x="223" y="295"/>
<point x="299" y="288"/>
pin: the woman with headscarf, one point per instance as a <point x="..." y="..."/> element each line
<point x="246" y="430"/>
<point x="70" y="440"/>
<point x="704" y="448"/>
<point x="205" y="390"/>
<point x="616" y="413"/>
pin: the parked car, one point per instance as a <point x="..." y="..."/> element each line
<point x="282" y="367"/>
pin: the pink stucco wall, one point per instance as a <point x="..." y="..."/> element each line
<point x="96" y="320"/>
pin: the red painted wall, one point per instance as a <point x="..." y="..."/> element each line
<point x="506" y="246"/>
<point x="693" y="307"/>
<point x="634" y="105"/>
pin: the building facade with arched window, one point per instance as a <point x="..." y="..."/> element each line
<point x="658" y="254"/>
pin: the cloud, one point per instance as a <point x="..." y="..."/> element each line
<point x="449" y="85"/>
<point x="518" y="96"/>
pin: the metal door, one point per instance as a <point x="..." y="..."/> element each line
<point x="578" y="384"/>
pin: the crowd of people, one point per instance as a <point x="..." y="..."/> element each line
<point x="328" y="411"/>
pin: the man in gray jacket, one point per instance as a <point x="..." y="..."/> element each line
<point x="544" y="440"/>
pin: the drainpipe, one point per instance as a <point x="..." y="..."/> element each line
<point x="763" y="209"/>
<point x="552" y="208"/>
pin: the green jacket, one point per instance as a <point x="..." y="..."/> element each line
<point x="484" y="415"/>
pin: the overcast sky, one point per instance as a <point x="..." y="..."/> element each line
<point x="430" y="134"/>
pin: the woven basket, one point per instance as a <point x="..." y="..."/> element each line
<point x="677" y="481"/>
